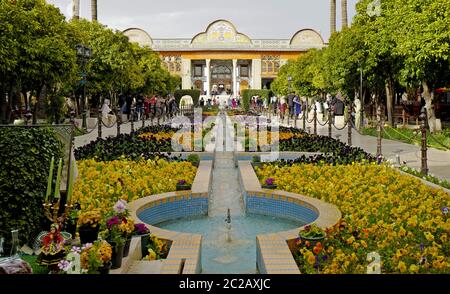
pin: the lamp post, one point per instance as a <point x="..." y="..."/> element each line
<point x="361" y="95"/>
<point x="84" y="54"/>
<point x="289" y="93"/>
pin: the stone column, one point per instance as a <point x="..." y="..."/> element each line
<point x="344" y="13"/>
<point x="333" y="16"/>
<point x="208" y="77"/>
<point x="234" y="87"/>
<point x="76" y="9"/>
<point x="186" y="80"/>
<point x="256" y="74"/>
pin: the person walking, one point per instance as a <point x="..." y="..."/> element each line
<point x="298" y="106"/>
<point x="282" y="107"/>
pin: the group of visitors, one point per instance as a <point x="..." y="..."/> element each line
<point x="156" y="106"/>
<point x="231" y="102"/>
<point x="290" y="105"/>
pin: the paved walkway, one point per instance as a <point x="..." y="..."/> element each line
<point x="226" y="192"/>
<point x="438" y="160"/>
<point x="108" y="132"/>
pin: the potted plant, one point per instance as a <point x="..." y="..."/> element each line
<point x="182" y="185"/>
<point x="194" y="159"/>
<point x="312" y="234"/>
<point x="117" y="228"/>
<point x="256" y="161"/>
<point x="269" y="184"/>
<point x="94" y="258"/>
<point x="141" y="231"/>
<point x="127" y="229"/>
<point x="88" y="226"/>
<point x="114" y="236"/>
<point x="156" y="248"/>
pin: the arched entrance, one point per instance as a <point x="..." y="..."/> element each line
<point x="222" y="77"/>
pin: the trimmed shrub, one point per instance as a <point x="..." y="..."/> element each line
<point x="249" y="93"/>
<point x="195" y="94"/>
<point x="25" y="159"/>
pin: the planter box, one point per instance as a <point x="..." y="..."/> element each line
<point x="257" y="164"/>
<point x="183" y="187"/>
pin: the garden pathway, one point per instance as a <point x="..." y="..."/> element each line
<point x="438" y="160"/>
<point x="226" y="191"/>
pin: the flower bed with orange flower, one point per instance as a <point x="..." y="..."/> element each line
<point x="404" y="221"/>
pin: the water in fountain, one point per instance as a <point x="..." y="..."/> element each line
<point x="226" y="249"/>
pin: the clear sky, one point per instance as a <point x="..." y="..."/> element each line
<point x="259" y="19"/>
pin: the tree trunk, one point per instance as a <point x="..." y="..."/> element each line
<point x="2" y="106"/>
<point x="389" y="100"/>
<point x="94" y="10"/>
<point x="428" y="95"/>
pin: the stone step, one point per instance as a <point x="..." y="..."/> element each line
<point x="144" y="267"/>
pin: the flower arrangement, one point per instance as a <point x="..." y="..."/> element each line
<point x="157" y="248"/>
<point x="93" y="257"/>
<point x="140" y="229"/>
<point x="183" y="185"/>
<point x="270" y="181"/>
<point x="312" y="232"/>
<point x="119" y="226"/>
<point x="90" y="218"/>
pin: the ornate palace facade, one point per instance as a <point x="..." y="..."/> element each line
<point x="223" y="61"/>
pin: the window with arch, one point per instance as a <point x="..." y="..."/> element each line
<point x="221" y="72"/>
<point x="172" y="63"/>
<point x="270" y="64"/>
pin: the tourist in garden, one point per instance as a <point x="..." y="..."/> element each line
<point x="282" y="107"/>
<point x="298" y="106"/>
<point x="290" y="102"/>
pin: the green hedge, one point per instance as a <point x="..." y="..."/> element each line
<point x="249" y="93"/>
<point x="195" y="94"/>
<point x="25" y="158"/>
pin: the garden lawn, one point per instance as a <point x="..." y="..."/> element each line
<point x="397" y="216"/>
<point x="101" y="184"/>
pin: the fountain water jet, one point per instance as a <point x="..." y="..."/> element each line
<point x="228" y="224"/>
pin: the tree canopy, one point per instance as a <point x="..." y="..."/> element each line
<point x="39" y="62"/>
<point x="406" y="46"/>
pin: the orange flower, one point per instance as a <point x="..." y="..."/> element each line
<point x="317" y="250"/>
<point x="308" y="244"/>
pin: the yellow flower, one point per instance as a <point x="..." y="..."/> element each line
<point x="151" y="255"/>
<point x="401" y="267"/>
<point x="311" y="259"/>
<point x="413" y="268"/>
<point x="429" y="236"/>
<point x="350" y="240"/>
